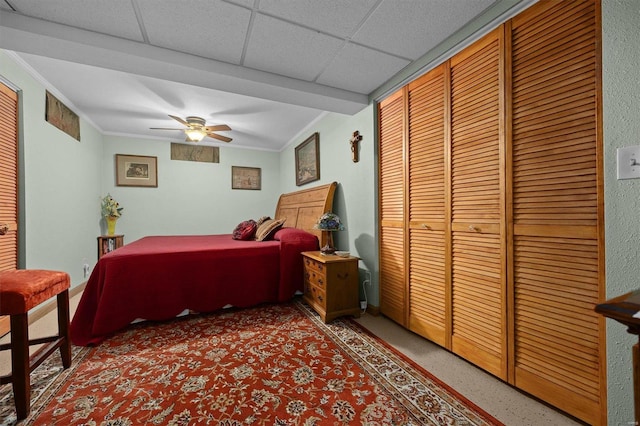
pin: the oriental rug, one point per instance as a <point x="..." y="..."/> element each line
<point x="270" y="365"/>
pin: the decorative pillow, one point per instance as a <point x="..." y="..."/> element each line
<point x="262" y="219"/>
<point x="269" y="227"/>
<point x="293" y="234"/>
<point x="245" y="230"/>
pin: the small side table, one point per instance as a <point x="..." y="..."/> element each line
<point x="108" y="243"/>
<point x="622" y="309"/>
<point x="331" y="284"/>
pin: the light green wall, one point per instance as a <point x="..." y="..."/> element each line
<point x="621" y="117"/>
<point x="191" y="197"/>
<point x="60" y="178"/>
<point x="354" y="200"/>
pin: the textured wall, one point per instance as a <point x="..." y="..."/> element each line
<point x="191" y="197"/>
<point x="354" y="200"/>
<point x="60" y="178"/>
<point x="621" y="117"/>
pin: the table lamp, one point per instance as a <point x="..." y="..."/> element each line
<point x="329" y="223"/>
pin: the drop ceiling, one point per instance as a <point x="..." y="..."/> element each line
<point x="267" y="68"/>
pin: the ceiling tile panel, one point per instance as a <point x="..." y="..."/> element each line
<point x="360" y="69"/>
<point x="340" y="18"/>
<point x="113" y="17"/>
<point x="282" y="48"/>
<point x="209" y="28"/>
<point x="410" y="28"/>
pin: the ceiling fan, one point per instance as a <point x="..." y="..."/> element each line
<point x="196" y="129"/>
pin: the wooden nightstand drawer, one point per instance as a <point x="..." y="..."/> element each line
<point x="317" y="295"/>
<point x="317" y="278"/>
<point x="313" y="265"/>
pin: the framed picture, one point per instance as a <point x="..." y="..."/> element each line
<point x="246" y="177"/>
<point x="308" y="160"/>
<point x="59" y="115"/>
<point x="136" y="170"/>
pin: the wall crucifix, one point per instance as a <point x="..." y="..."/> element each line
<point x="355" y="148"/>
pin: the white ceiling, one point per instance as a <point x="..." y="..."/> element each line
<point x="267" y="68"/>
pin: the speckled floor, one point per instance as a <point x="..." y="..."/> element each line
<point x="505" y="403"/>
<point x="502" y="401"/>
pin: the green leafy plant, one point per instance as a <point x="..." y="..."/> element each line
<point x="110" y="207"/>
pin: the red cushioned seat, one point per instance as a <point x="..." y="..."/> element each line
<point x="20" y="291"/>
<point x="24" y="289"/>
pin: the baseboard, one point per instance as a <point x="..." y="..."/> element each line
<point x="373" y="310"/>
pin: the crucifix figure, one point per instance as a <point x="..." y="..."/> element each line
<point x="357" y="137"/>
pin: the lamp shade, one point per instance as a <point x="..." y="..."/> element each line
<point x="195" y="135"/>
<point x="329" y="222"/>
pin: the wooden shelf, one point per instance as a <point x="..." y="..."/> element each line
<point x="108" y="243"/>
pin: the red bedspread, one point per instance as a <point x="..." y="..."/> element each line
<point x="156" y="278"/>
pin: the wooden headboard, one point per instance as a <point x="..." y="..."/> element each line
<point x="302" y="209"/>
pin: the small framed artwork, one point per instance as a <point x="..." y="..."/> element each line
<point x="59" y="115"/>
<point x="136" y="170"/>
<point x="246" y="177"/>
<point x="308" y="160"/>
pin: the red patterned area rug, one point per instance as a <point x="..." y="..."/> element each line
<point x="271" y="365"/>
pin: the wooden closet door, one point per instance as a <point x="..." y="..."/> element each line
<point x="558" y="277"/>
<point x="8" y="184"/>
<point x="429" y="307"/>
<point x="479" y="320"/>
<point x="391" y="122"/>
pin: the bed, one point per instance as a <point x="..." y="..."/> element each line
<point x="159" y="277"/>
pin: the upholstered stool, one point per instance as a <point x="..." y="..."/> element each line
<point x="21" y="290"/>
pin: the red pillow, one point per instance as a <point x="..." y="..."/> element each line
<point x="294" y="234"/>
<point x="245" y="230"/>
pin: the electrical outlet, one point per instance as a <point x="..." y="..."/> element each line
<point x="363" y="304"/>
<point x="85" y="269"/>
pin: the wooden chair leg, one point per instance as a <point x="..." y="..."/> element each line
<point x="63" y="328"/>
<point x="20" y="367"/>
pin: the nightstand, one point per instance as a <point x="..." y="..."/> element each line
<point x="108" y="243"/>
<point x="331" y="284"/>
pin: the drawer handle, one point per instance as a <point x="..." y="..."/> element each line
<point x="4" y="228"/>
<point x="320" y="298"/>
<point x="473" y="228"/>
<point x="320" y="281"/>
<point x="425" y="226"/>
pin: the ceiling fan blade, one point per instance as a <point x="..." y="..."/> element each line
<point x="179" y="120"/>
<point x="219" y="137"/>
<point x="164" y="128"/>
<point x="217" y="128"/>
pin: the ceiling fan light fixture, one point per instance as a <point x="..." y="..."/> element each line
<point x="195" y="135"/>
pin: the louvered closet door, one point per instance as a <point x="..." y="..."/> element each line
<point x="8" y="177"/>
<point x="8" y="184"/>
<point x="478" y="231"/>
<point x="428" y="295"/>
<point x="391" y="202"/>
<point x="556" y="171"/>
